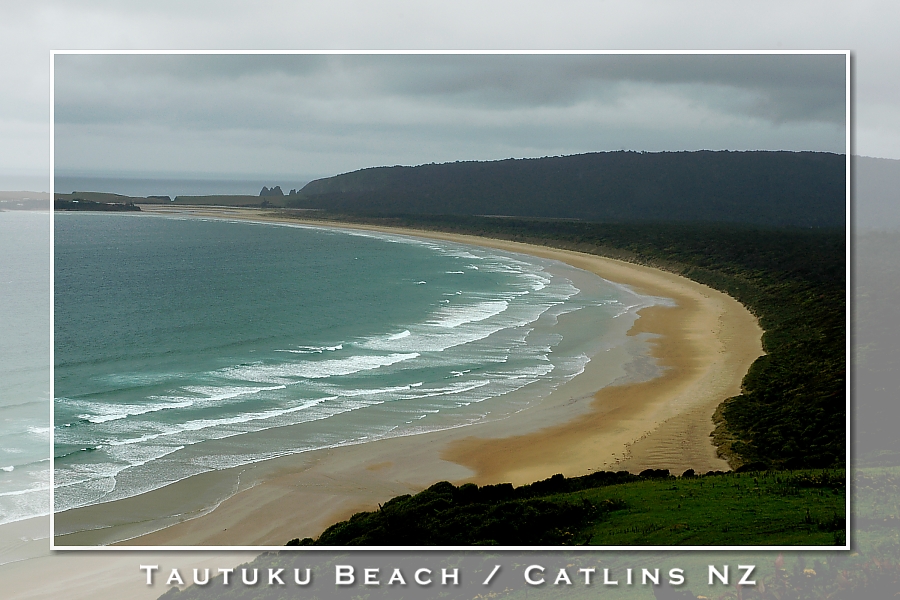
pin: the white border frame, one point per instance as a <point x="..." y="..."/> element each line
<point x="848" y="298"/>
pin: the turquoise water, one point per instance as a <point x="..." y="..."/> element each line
<point x="24" y="365"/>
<point x="180" y="342"/>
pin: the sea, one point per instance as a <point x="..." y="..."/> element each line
<point x="25" y="351"/>
<point x="184" y="345"/>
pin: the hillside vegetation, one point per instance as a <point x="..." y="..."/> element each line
<point x="805" y="189"/>
<point x="606" y="508"/>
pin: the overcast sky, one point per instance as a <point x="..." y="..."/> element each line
<point x="30" y="29"/>
<point x="306" y="116"/>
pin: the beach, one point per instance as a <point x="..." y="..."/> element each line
<point x="704" y="345"/>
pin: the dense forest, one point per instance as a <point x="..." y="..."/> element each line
<point x="805" y="189"/>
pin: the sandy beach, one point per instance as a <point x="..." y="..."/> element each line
<point x="705" y="344"/>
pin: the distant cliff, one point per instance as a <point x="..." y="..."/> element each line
<point x="804" y="189"/>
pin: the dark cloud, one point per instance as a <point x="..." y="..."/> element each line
<point x="386" y="109"/>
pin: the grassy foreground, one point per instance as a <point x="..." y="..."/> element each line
<point x="765" y="508"/>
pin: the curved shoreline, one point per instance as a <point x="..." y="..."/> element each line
<point x="706" y="344"/>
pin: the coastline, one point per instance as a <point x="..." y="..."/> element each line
<point x="706" y="344"/>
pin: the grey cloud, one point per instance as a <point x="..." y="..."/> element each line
<point x="791" y="87"/>
<point x="799" y="86"/>
<point x="337" y="112"/>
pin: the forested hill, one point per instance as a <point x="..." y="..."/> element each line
<point x="805" y="189"/>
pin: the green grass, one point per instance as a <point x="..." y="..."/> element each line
<point x="771" y="508"/>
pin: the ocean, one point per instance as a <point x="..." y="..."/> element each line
<point x="24" y="365"/>
<point x="185" y="345"/>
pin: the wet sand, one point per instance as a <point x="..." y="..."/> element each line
<point x="705" y="345"/>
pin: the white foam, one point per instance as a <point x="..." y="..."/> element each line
<point x="201" y="424"/>
<point x="434" y="339"/>
<point x="627" y="310"/>
<point x="451" y="390"/>
<point x="314" y="349"/>
<point x="31" y="490"/>
<point x="536" y="282"/>
<point x="213" y="394"/>
<point x="103" y="413"/>
<point x="376" y="391"/>
<point x="283" y="372"/>
<point x="455" y="316"/>
<point x="139" y="455"/>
